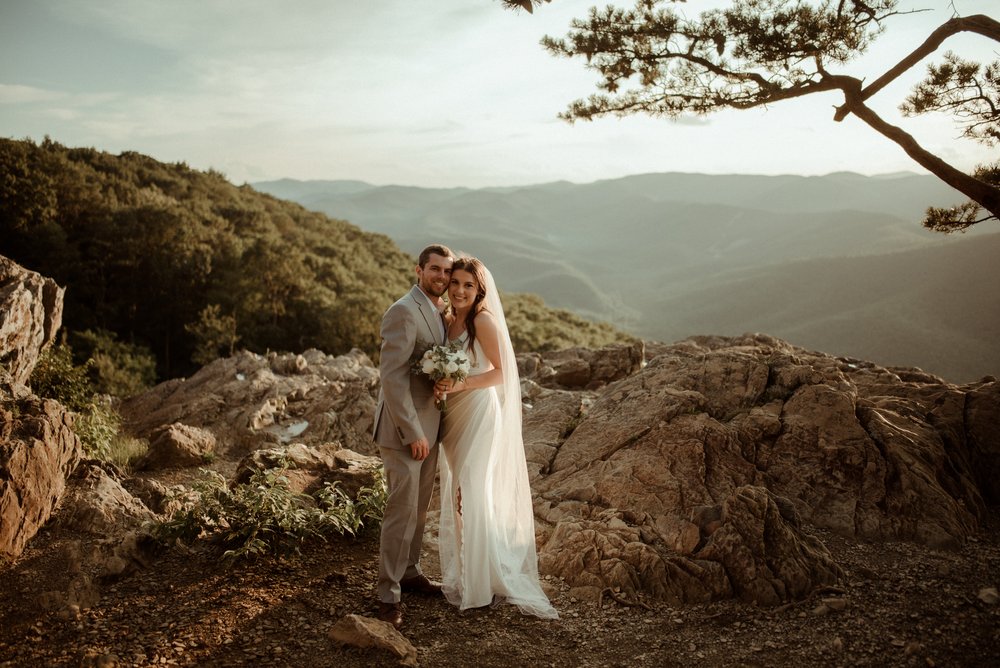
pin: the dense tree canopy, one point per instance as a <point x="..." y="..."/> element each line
<point x="189" y="266"/>
<point x="752" y="53"/>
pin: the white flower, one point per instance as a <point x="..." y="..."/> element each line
<point x="444" y="362"/>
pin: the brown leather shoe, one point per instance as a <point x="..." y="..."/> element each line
<point x="420" y="585"/>
<point x="392" y="613"/>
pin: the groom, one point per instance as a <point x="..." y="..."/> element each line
<point x="406" y="430"/>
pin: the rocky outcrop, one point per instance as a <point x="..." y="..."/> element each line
<point x="38" y="448"/>
<point x="249" y="401"/>
<point x="766" y="556"/>
<point x="753" y="434"/>
<point x="694" y="474"/>
<point x="31" y="309"/>
<point x="582" y="368"/>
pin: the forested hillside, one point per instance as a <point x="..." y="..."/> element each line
<point x="187" y="265"/>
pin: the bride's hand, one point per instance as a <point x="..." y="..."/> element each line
<point x="448" y="385"/>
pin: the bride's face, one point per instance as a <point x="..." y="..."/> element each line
<point x="462" y="289"/>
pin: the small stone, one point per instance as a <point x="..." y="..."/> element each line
<point x="835" y="603"/>
<point x="988" y="595"/>
<point x="821" y="609"/>
<point x="837" y="645"/>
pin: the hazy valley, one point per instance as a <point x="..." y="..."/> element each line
<point x="837" y="263"/>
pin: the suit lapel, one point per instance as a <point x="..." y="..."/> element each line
<point x="431" y="316"/>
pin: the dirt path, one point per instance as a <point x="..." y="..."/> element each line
<point x="901" y="605"/>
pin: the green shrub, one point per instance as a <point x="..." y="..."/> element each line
<point x="116" y="368"/>
<point x="214" y="334"/>
<point x="97" y="424"/>
<point x="264" y="516"/>
<point x="56" y="377"/>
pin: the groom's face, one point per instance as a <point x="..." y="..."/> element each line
<point x="434" y="275"/>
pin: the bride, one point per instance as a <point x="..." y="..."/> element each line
<point x="487" y="533"/>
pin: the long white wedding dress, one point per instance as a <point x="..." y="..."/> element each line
<point x="487" y="531"/>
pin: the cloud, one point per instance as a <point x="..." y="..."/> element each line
<point x="16" y="94"/>
<point x="694" y="121"/>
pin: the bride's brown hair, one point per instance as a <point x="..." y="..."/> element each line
<point x="478" y="271"/>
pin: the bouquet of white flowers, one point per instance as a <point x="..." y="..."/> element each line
<point x="444" y="362"/>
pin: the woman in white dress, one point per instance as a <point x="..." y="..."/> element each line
<point x="487" y="533"/>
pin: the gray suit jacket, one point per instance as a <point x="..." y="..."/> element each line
<point x="405" y="410"/>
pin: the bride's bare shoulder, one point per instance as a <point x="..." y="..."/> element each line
<point x="486" y="319"/>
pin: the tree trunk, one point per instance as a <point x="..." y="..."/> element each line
<point x="984" y="194"/>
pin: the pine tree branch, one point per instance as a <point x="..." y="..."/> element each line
<point x="978" y="23"/>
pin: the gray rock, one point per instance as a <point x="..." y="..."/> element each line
<point x="250" y="401"/>
<point x="31" y="308"/>
<point x="178" y="445"/>
<point x="365" y="632"/>
<point x="38" y="451"/>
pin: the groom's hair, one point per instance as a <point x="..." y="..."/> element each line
<point x="433" y="249"/>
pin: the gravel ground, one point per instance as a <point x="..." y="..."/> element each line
<point x="900" y="605"/>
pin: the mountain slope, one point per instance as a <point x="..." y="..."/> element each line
<point x="621" y="249"/>
<point x="936" y="305"/>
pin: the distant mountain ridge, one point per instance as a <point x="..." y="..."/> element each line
<point x="647" y="251"/>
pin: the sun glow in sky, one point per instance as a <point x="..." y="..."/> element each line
<point x="433" y="94"/>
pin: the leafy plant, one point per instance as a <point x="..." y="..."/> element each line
<point x="213" y="334"/>
<point x="265" y="516"/>
<point x="116" y="368"/>
<point x="56" y="377"/>
<point x="97" y="424"/>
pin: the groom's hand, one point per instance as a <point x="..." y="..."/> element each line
<point x="420" y="449"/>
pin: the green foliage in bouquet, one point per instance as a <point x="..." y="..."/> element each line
<point x="265" y="516"/>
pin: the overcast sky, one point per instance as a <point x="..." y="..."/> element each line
<point x="416" y="92"/>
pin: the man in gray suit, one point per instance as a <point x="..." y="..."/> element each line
<point x="406" y="430"/>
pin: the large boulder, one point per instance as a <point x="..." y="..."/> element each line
<point x="31" y="308"/>
<point x="309" y="468"/>
<point x="97" y="503"/>
<point x="38" y="451"/>
<point x="178" y="445"/>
